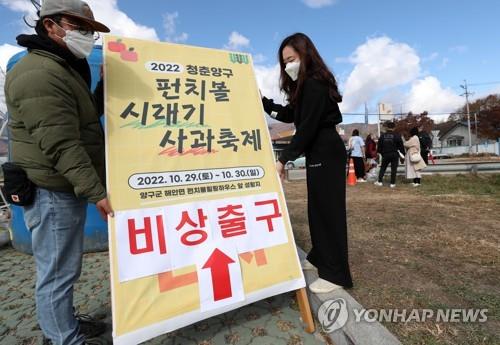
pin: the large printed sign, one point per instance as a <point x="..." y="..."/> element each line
<point x="201" y="225"/>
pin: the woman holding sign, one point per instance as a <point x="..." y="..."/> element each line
<point x="312" y="96"/>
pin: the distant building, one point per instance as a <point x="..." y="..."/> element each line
<point x="454" y="134"/>
<point x="435" y="138"/>
<point x="281" y="135"/>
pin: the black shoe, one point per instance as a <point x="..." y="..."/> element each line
<point x="90" y="327"/>
<point x="47" y="341"/>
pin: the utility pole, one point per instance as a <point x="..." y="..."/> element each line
<point x="366" y="114"/>
<point x="475" y="127"/>
<point x="378" y="120"/>
<point x="467" y="94"/>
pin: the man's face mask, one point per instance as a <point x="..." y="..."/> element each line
<point x="292" y="69"/>
<point x="79" y="44"/>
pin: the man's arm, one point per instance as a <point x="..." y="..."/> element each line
<point x="49" y="112"/>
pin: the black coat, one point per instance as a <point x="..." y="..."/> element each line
<point x="390" y="143"/>
<point x="316" y="110"/>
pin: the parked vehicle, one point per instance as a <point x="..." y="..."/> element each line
<point x="299" y="163"/>
<point x="437" y="155"/>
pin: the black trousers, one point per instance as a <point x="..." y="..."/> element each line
<point x="393" y="160"/>
<point x="425" y="156"/>
<point x="326" y="207"/>
<point x="359" y="167"/>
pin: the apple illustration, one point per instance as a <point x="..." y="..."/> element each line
<point x="129" y="55"/>
<point x="117" y="46"/>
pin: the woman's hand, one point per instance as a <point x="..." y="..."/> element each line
<point x="280" y="168"/>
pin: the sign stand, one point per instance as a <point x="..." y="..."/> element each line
<point x="305" y="310"/>
<point x="190" y="175"/>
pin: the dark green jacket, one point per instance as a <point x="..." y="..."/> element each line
<point x="54" y="126"/>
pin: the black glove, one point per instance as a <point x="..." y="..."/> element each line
<point x="268" y="105"/>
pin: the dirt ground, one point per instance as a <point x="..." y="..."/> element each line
<point x="429" y="248"/>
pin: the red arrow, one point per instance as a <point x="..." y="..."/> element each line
<point x="218" y="262"/>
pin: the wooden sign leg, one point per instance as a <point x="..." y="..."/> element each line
<point x="305" y="310"/>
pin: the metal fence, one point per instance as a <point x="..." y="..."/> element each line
<point x="493" y="148"/>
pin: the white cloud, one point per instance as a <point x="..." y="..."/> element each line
<point x="105" y="11"/>
<point x="19" y="5"/>
<point x="170" y="26"/>
<point x="237" y="41"/>
<point x="428" y="95"/>
<point x="6" y="52"/>
<point x="268" y="80"/>
<point x="318" y="3"/>
<point x="380" y="64"/>
<point x="27" y="9"/>
<point x="431" y="57"/>
<point x="259" y="58"/>
<point x="388" y="71"/>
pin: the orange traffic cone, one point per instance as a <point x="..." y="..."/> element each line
<point x="351" y="178"/>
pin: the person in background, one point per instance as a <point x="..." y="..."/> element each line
<point x="425" y="144"/>
<point x="57" y="139"/>
<point x="357" y="148"/>
<point x="313" y="98"/>
<point x="388" y="146"/>
<point x="413" y="158"/>
<point x="371" y="151"/>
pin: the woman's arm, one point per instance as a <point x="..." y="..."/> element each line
<point x="277" y="111"/>
<point x="314" y="102"/>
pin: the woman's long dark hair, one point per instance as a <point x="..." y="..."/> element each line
<point x="311" y="66"/>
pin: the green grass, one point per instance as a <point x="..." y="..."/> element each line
<point x="467" y="184"/>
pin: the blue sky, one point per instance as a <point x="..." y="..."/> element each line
<point x="412" y="54"/>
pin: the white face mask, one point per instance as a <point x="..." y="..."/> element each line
<point x="80" y="45"/>
<point x="292" y="69"/>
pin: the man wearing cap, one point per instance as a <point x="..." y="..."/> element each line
<point x="57" y="139"/>
<point x="388" y="146"/>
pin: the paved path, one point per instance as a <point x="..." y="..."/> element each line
<point x="274" y="321"/>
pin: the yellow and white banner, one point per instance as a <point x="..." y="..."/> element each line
<point x="201" y="225"/>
